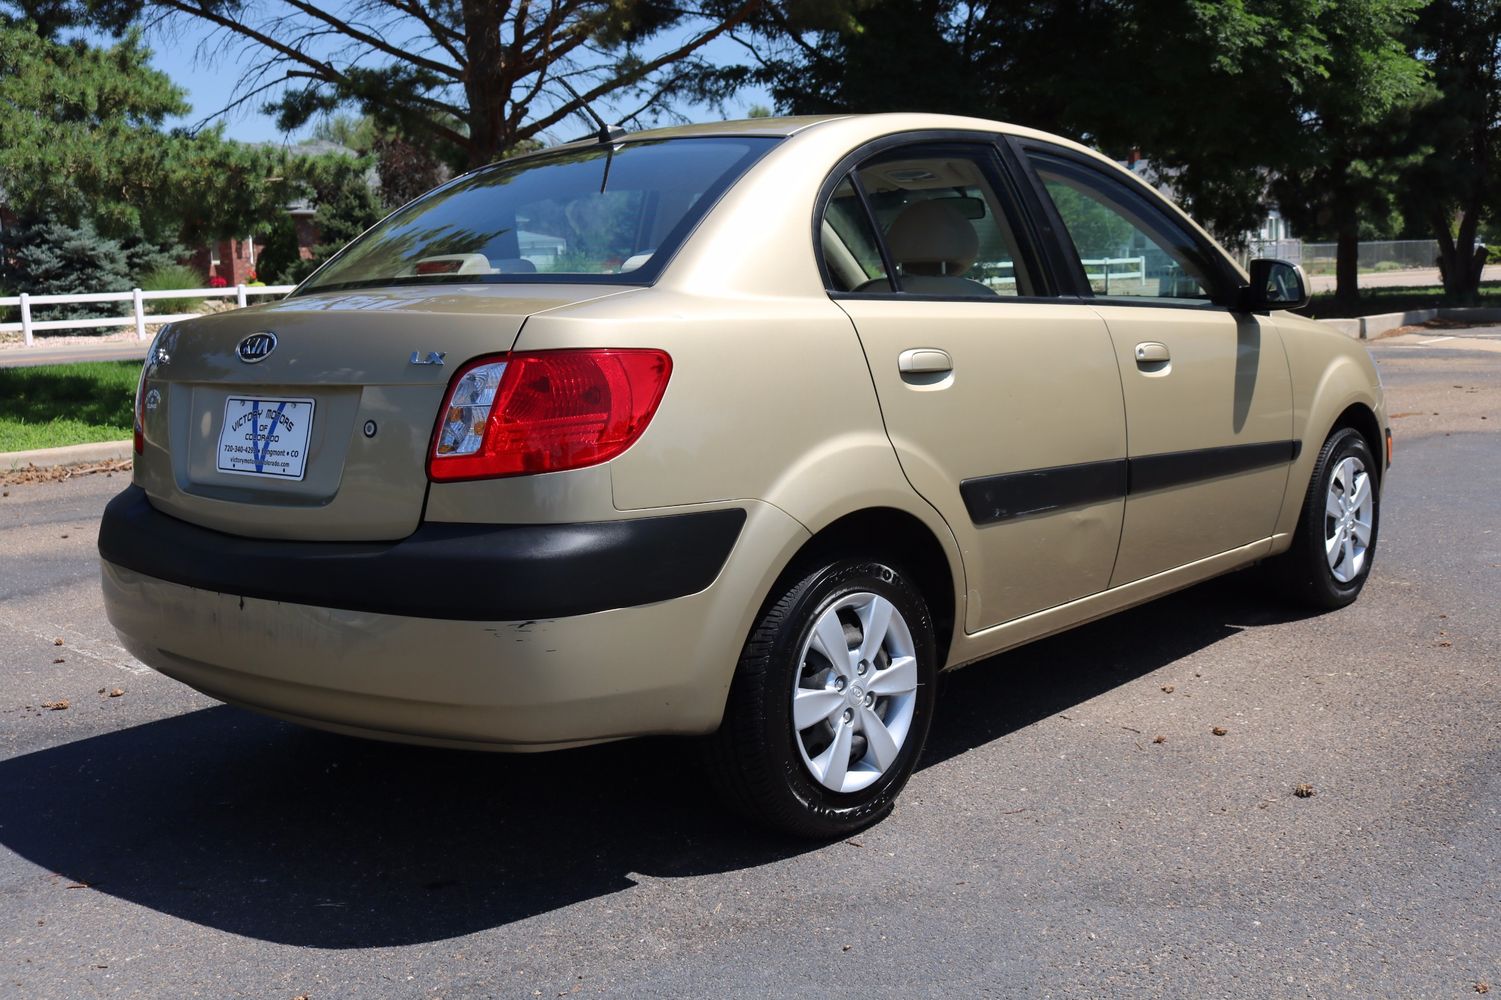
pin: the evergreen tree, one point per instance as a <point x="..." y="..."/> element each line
<point x="81" y="139"/>
<point x="345" y="205"/>
<point x="44" y="257"/>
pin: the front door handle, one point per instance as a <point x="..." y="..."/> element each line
<point x="1152" y="353"/>
<point x="924" y="361"/>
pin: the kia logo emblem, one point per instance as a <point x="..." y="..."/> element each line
<point x="256" y="347"/>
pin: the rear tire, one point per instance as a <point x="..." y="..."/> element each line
<point x="865" y="710"/>
<point x="1334" y="544"/>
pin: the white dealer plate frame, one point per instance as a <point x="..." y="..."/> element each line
<point x="244" y="448"/>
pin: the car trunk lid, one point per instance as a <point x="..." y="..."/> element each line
<point x="321" y="431"/>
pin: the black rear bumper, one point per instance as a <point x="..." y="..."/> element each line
<point x="460" y="572"/>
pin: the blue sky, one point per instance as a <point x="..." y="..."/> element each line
<point x="186" y="51"/>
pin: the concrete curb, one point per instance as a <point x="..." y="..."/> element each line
<point x="1369" y="327"/>
<point x="73" y="454"/>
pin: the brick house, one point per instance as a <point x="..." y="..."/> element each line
<point x="234" y="260"/>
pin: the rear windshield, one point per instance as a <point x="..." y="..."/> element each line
<point x="596" y="214"/>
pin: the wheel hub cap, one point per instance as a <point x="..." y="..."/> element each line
<point x="855" y="692"/>
<point x="1349" y="512"/>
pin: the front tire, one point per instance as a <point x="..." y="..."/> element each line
<point x="831" y="702"/>
<point x="1334" y="544"/>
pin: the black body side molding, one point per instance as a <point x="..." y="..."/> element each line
<point x="1038" y="491"/>
<point x="992" y="499"/>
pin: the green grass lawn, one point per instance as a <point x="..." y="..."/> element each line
<point x="52" y="405"/>
<point x="1384" y="300"/>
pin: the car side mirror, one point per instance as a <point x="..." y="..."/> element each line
<point x="1275" y="284"/>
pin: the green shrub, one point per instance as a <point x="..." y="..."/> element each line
<point x="1387" y="265"/>
<point x="50" y="258"/>
<point x="142" y="256"/>
<point x="167" y="277"/>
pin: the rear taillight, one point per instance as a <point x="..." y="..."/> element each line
<point x="148" y="366"/>
<point x="140" y="431"/>
<point x="517" y="414"/>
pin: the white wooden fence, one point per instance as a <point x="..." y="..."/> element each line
<point x="1102" y="269"/>
<point x="1097" y="269"/>
<point x="138" y="299"/>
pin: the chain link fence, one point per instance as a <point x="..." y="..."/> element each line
<point x="1374" y="256"/>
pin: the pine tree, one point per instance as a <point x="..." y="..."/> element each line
<point x="53" y="258"/>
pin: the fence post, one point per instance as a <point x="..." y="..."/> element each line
<point x="26" y="317"/>
<point x="140" y="311"/>
<point x="240" y="295"/>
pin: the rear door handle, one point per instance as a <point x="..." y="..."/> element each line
<point x="924" y="361"/>
<point x="1152" y="353"/>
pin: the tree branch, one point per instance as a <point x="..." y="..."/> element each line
<point x="348" y="29"/>
<point x="444" y="35"/>
<point x="645" y="69"/>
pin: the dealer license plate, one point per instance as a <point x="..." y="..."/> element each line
<point x="265" y="437"/>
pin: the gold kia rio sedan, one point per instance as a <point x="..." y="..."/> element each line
<point x="743" y="431"/>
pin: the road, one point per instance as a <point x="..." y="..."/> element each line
<point x="1415" y="278"/>
<point x="156" y="844"/>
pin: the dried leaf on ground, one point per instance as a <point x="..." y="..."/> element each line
<point x="1219" y="730"/>
<point x="1304" y="791"/>
<point x="117" y="692"/>
<point x="57" y="642"/>
<point x="55" y="706"/>
<point x="1160" y="739"/>
<point x="1167" y="689"/>
<point x="58" y="473"/>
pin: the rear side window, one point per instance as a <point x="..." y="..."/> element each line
<point x="941" y="219"/>
<point x="851" y="250"/>
<point x="597" y="214"/>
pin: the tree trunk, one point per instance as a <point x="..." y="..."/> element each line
<point x="1346" y="267"/>
<point x="1467" y="287"/>
<point x="484" y="83"/>
<point x="1346" y="255"/>
<point x="1459" y="265"/>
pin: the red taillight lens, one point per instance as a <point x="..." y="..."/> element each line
<point x="552" y="410"/>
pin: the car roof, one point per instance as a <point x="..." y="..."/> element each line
<point x="876" y="124"/>
<point x="783" y="126"/>
<point x="863" y="126"/>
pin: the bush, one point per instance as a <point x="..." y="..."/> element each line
<point x="167" y="277"/>
<point x="49" y="258"/>
<point x="142" y="256"/>
<point x="1387" y="265"/>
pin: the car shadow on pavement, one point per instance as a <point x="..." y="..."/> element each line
<point x="261" y="828"/>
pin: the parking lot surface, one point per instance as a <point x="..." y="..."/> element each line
<point x="1076" y="828"/>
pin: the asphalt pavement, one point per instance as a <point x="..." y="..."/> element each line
<point x="156" y="844"/>
<point x="1407" y="278"/>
